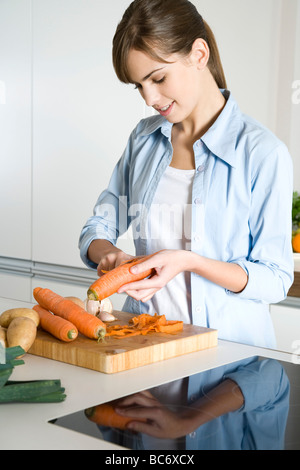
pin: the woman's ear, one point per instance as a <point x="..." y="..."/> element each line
<point x="200" y="53"/>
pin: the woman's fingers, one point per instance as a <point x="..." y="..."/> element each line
<point x="150" y="263"/>
<point x="157" y="419"/>
<point x="144" y="398"/>
<point x="138" y="405"/>
<point x="166" y="264"/>
<point x="150" y="283"/>
<point x="111" y="261"/>
<point x="141" y="295"/>
<point x="144" y="289"/>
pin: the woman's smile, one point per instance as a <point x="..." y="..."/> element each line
<point x="165" y="110"/>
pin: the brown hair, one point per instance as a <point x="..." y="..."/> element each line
<point x="164" y="26"/>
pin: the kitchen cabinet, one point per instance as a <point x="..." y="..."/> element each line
<point x="16" y="286"/>
<point x="82" y="118"/>
<point x="65" y="120"/>
<point x="286" y="315"/>
<point x="15" y="129"/>
<point x="286" y="321"/>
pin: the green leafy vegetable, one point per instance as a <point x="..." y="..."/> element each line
<point x="296" y="211"/>
<point x="30" y="391"/>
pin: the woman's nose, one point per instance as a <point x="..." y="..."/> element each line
<point x="150" y="95"/>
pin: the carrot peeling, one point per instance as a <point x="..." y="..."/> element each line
<point x="87" y="324"/>
<point x="112" y="280"/>
<point x="55" y="325"/>
<point x="144" y="324"/>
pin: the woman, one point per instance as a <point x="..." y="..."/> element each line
<point x="200" y="182"/>
<point x="206" y="163"/>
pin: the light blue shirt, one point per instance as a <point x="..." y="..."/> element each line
<point x="241" y="213"/>
<point x="261" y="421"/>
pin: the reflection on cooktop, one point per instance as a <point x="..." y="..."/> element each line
<point x="249" y="405"/>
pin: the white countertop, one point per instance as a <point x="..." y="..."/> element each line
<point x="27" y="425"/>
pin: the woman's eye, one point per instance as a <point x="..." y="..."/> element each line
<point x="138" y="86"/>
<point x="161" y="80"/>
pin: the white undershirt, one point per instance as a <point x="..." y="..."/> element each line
<point x="169" y="227"/>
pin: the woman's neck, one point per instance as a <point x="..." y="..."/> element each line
<point x="187" y="132"/>
<point x="210" y="105"/>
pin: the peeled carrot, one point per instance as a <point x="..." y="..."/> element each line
<point x="87" y="324"/>
<point x="105" y="415"/>
<point x="112" y="280"/>
<point x="57" y="326"/>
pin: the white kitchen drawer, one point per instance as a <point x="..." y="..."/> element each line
<point x="15" y="286"/>
<point x="286" y="321"/>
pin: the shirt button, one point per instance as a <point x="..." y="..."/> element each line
<point x="198" y="309"/>
<point x="200" y="168"/>
<point x="192" y="434"/>
<point x="197" y="238"/>
<point x="197" y="200"/>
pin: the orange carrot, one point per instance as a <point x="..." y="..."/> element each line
<point x="57" y="326"/>
<point x="105" y="415"/>
<point x="111" y="281"/>
<point x="144" y="324"/>
<point x="86" y="323"/>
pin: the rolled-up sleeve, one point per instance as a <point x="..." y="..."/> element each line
<point x="270" y="266"/>
<point x="263" y="383"/>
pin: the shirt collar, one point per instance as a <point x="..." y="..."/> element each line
<point x="221" y="137"/>
<point x="154" y="123"/>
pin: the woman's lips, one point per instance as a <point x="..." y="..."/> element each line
<point x="165" y="110"/>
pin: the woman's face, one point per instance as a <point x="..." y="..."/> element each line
<point x="173" y="89"/>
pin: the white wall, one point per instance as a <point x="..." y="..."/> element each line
<point x="295" y="105"/>
<point x="247" y="34"/>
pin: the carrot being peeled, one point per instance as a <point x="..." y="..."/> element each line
<point x="112" y="280"/>
<point x="57" y="326"/>
<point x="87" y="324"/>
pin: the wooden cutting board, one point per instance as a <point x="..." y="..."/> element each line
<point x="115" y="355"/>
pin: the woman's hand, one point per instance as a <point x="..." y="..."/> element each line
<point x="111" y="260"/>
<point x="161" y="421"/>
<point x="166" y="264"/>
<point x="106" y="255"/>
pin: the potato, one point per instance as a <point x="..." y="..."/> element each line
<point x="21" y="332"/>
<point x="77" y="301"/>
<point x="3" y="341"/>
<point x="7" y="316"/>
